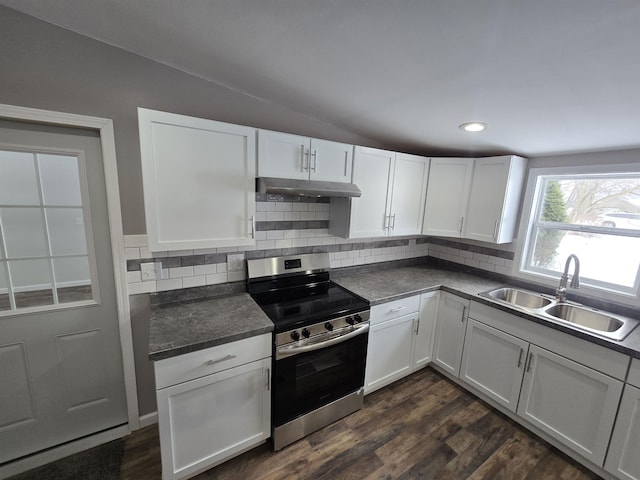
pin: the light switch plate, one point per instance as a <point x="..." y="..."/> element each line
<point x="235" y="262"/>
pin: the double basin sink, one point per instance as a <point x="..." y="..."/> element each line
<point x="590" y="320"/>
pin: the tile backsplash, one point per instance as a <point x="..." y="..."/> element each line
<point x="285" y="225"/>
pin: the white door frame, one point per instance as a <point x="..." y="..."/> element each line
<point x="107" y="140"/>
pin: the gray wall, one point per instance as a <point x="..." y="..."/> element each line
<point x="44" y="66"/>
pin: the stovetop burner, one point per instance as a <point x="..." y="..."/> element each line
<point x="302" y="297"/>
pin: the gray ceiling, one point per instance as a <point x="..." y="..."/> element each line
<point x="547" y="76"/>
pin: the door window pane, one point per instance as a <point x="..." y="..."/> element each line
<point x="24" y="232"/>
<point x="66" y="231"/>
<point x="60" y="180"/>
<point x="32" y="282"/>
<point x="44" y="256"/>
<point x="18" y="180"/>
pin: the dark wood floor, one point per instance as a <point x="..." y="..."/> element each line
<point x="421" y="427"/>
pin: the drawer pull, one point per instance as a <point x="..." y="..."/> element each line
<point x="520" y="358"/>
<point x="218" y="360"/>
<point x="397" y="309"/>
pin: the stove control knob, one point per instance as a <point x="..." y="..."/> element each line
<point x="328" y="326"/>
<point x="306" y="332"/>
<point x="350" y="320"/>
<point x="358" y="318"/>
<point x="295" y="335"/>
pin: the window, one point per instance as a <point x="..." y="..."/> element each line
<point x="44" y="255"/>
<point x="595" y="216"/>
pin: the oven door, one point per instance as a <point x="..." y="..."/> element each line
<point x="318" y="375"/>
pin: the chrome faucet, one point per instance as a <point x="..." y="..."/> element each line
<point x="561" y="292"/>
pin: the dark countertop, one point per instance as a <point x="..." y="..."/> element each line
<point x="392" y="284"/>
<point x="186" y="326"/>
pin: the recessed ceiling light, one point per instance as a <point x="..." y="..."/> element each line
<point x="473" y="126"/>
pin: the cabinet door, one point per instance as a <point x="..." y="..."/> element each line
<point x="206" y="421"/>
<point x="330" y="161"/>
<point x="425" y="329"/>
<point x="389" y="355"/>
<point x="623" y="459"/>
<point x="493" y="363"/>
<point x="408" y="194"/>
<point x="371" y="170"/>
<point x="447" y="196"/>
<point x="494" y="199"/>
<point x="283" y="155"/>
<point x="449" y="337"/>
<point x="570" y="402"/>
<point x="198" y="181"/>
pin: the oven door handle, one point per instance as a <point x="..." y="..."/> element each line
<point x="289" y="351"/>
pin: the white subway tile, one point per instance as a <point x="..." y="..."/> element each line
<point x="275" y="216"/>
<point x="329" y="241"/>
<point x="322" y="215"/>
<point x="261" y="235"/>
<point x="134" y="277"/>
<point x="132" y="253"/>
<point x="284" y="206"/>
<point x="299" y="242"/>
<point x="205" y="269"/>
<point x="260" y="216"/>
<point x="275" y="234"/>
<point x="216" y="278"/>
<point x="490" y="267"/>
<point x="353" y="253"/>
<point x="307" y="215"/>
<point x="142" y="287"/>
<point x="266" y="244"/>
<point x="291" y="234"/>
<point x="172" y="284"/>
<point x="283" y="243"/>
<point x="146" y="253"/>
<point x="300" y="207"/>
<point x="471" y="262"/>
<point x="292" y="216"/>
<point x="221" y="267"/>
<point x="194" y="281"/>
<point x="179" y="272"/>
<point x="347" y="262"/>
<point x="180" y="253"/>
<point x="227" y="249"/>
<point x="340" y="255"/>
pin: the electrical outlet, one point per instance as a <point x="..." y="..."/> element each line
<point x="235" y="262"/>
<point x="151" y="271"/>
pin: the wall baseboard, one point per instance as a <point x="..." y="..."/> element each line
<point x="148" y="419"/>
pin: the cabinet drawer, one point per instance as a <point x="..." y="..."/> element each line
<point x="182" y="368"/>
<point x="396" y="308"/>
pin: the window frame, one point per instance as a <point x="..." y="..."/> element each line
<point x="529" y="224"/>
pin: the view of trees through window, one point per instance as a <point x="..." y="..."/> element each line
<point x="595" y="217"/>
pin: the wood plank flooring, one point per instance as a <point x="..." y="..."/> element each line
<point x="421" y="427"/>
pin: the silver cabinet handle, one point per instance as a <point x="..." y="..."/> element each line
<point x="268" y="382"/>
<point x="417" y="326"/>
<point x="495" y="232"/>
<point x="392" y="224"/>
<point x="385" y="223"/>
<point x="464" y="310"/>
<point x="252" y="220"/>
<point x="208" y="363"/>
<point x="397" y="309"/>
<point x="528" y="369"/>
<point x="315" y="160"/>
<point x="304" y="155"/>
<point x="461" y="223"/>
<point x="520" y="358"/>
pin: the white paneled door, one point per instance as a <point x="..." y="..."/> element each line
<point x="61" y="372"/>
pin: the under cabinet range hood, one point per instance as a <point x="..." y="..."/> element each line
<point x="306" y="188"/>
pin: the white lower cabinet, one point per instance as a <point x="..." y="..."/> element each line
<point x="493" y="362"/>
<point x="400" y="339"/>
<point x="209" y="419"/>
<point x="623" y="459"/>
<point x="574" y="404"/>
<point x="449" y="335"/>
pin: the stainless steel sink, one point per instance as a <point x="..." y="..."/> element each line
<point x="579" y="317"/>
<point x="602" y="323"/>
<point x="521" y="298"/>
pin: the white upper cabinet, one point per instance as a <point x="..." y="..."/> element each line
<point x="393" y="189"/>
<point x="495" y="199"/>
<point x="198" y="180"/>
<point x="447" y="196"/>
<point x="409" y="190"/>
<point x="283" y="155"/>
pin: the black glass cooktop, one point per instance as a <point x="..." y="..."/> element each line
<point x="297" y="306"/>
